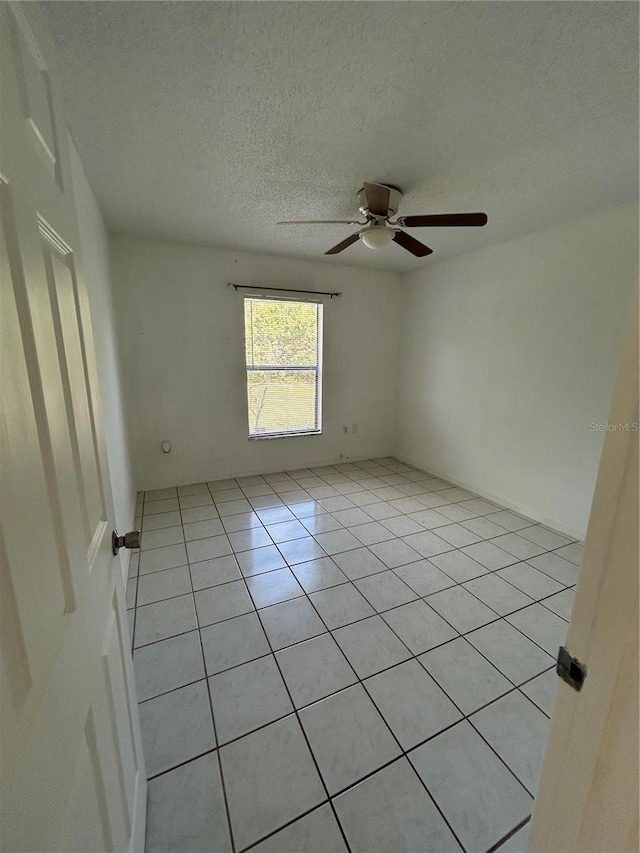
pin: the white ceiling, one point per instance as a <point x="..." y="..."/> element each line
<point x="208" y="121"/>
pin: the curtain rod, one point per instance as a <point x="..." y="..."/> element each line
<point x="284" y="290"/>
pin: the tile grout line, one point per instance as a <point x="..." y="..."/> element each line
<point x="496" y="847"/>
<point x="306" y="595"/>
<point x="210" y="701"/>
<point x="304" y="733"/>
<point x="515" y="687"/>
<point x="404" y="753"/>
<point x="292" y="566"/>
<point x="499" y="618"/>
<point x="362" y="682"/>
<point x="427" y="478"/>
<point x="517" y="560"/>
<point x="213" y="721"/>
<point x="289" y="823"/>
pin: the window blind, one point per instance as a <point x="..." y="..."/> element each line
<point x="283" y="344"/>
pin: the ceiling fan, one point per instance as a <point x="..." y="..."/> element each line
<point x="378" y="203"/>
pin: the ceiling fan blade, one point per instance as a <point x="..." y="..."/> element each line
<point x="339" y="247"/>
<point x="411" y="244"/>
<point x="447" y="220"/>
<point x="377" y="196"/>
<point x="321" y="222"/>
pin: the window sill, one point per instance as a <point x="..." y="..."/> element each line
<point x="271" y="435"/>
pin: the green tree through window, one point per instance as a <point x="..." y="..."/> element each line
<point x="283" y="344"/>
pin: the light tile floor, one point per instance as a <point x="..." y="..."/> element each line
<point x="357" y="657"/>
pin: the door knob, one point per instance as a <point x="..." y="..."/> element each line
<point x="129" y="540"/>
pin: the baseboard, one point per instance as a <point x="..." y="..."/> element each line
<point x="340" y="461"/>
<point x="125" y="553"/>
<point x="132" y="508"/>
<point x="507" y="503"/>
<point x="261" y="472"/>
<point x="139" y="818"/>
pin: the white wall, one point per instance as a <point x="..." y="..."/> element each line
<point x="509" y="353"/>
<point x="95" y="256"/>
<point x="182" y="336"/>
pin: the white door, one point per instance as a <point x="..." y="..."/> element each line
<point x="72" y="769"/>
<point x="588" y="795"/>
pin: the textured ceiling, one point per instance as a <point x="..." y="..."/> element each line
<point x="208" y="121"/>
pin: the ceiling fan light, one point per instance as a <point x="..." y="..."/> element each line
<point x="377" y="236"/>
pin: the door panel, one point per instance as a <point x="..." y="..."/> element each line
<point x="34" y="89"/>
<point x="29" y="495"/>
<point x="588" y="796"/>
<point x="62" y="288"/>
<point x="87" y="824"/>
<point x="71" y="763"/>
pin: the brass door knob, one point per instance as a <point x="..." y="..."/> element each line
<point x="129" y="540"/>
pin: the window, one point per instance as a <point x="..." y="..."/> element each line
<point x="283" y="341"/>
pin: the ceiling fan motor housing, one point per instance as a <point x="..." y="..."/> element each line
<point x="395" y="195"/>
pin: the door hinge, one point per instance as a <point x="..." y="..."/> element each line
<point x="570" y="669"/>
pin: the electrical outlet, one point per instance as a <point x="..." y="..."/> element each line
<point x="354" y="428"/>
<point x="345" y="430"/>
